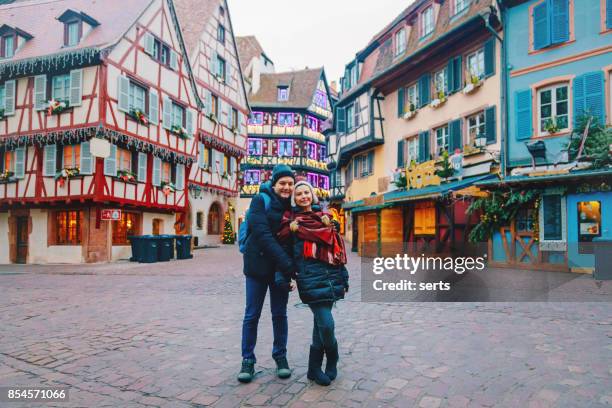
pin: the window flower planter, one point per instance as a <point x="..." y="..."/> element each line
<point x="126" y="176"/>
<point x="179" y="131"/>
<point x="56" y="107"/>
<point x="439" y="101"/>
<point x="66" y="174"/>
<point x="139" y="116"/>
<point x="410" y="114"/>
<point x="472" y="86"/>
<point x="551" y="126"/>
<point x="6" y="176"/>
<point x="167" y="188"/>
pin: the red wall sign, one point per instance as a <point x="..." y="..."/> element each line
<point x="111" y="215"/>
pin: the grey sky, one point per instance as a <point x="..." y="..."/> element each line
<point x="300" y="33"/>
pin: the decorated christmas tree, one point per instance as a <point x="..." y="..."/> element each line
<point x="228" y="231"/>
<point x="445" y="170"/>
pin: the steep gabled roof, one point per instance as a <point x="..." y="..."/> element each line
<point x="248" y="48"/>
<point x="302" y="86"/>
<point x="193" y="17"/>
<point x="39" y="18"/>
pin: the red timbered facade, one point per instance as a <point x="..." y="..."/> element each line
<point x="98" y="110"/>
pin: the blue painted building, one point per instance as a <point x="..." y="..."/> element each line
<point x="559" y="59"/>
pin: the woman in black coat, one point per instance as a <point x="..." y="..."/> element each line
<point x="322" y="278"/>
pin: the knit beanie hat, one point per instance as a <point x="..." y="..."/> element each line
<point x="315" y="199"/>
<point x="279" y="171"/>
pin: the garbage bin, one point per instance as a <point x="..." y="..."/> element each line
<point x="183" y="247"/>
<point x="137" y="244"/>
<point x="165" y="247"/>
<point x="603" y="256"/>
<point x="149" y="249"/>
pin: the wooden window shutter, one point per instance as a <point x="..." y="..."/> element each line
<point x="76" y="87"/>
<point x="50" y="158"/>
<point x="489" y="57"/>
<point x="424" y="89"/>
<point x="167" y="113"/>
<point x="180" y="177"/>
<point x="153" y="107"/>
<point x="189" y="119"/>
<point x="174" y="60"/>
<point x="157" y="165"/>
<point x="456" y="136"/>
<point x="424" y="146"/>
<point x="142" y="167"/>
<point x="559" y="21"/>
<point x="110" y="163"/>
<point x="123" y="93"/>
<point x="20" y="164"/>
<point x="541" y="26"/>
<point x="522" y="114"/>
<point x="9" y="97"/>
<point x="149" y="43"/>
<point x="491" y="125"/>
<point x="400" y="153"/>
<point x="457" y="74"/>
<point x="86" y="165"/>
<point x="589" y="96"/>
<point x="40" y="92"/>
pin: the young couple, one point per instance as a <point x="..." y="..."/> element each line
<point x="290" y="238"/>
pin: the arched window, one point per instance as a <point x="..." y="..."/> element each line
<point x="214" y="219"/>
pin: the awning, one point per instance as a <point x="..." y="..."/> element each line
<point x="434" y="191"/>
<point x="514" y="180"/>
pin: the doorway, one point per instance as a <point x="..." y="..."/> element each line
<point x="22" y="240"/>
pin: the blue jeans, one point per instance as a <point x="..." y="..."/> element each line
<point x="323" y="336"/>
<point x="255" y="296"/>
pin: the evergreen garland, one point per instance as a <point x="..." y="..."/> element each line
<point x="36" y="65"/>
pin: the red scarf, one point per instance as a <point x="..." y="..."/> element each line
<point x="321" y="242"/>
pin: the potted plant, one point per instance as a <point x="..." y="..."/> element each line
<point x="179" y="131"/>
<point x="446" y="170"/>
<point x="473" y="84"/>
<point x="139" y="116"/>
<point x="439" y="101"/>
<point x="411" y="112"/>
<point x="167" y="187"/>
<point x="6" y="176"/>
<point x="126" y="176"/>
<point x="551" y="125"/>
<point x="65" y="174"/>
<point x="55" y="107"/>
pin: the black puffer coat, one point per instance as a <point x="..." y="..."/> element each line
<point x="264" y="254"/>
<point x="317" y="281"/>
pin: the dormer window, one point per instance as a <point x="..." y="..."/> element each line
<point x="8" y="46"/>
<point x="76" y="26"/>
<point x="11" y="38"/>
<point x="283" y="93"/>
<point x="427" y="21"/>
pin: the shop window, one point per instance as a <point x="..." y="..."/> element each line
<point x="200" y="220"/>
<point x="552" y="216"/>
<point x="127" y="226"/>
<point x="589" y="220"/>
<point x="524" y="220"/>
<point x="553" y="109"/>
<point x="425" y="219"/>
<point x="68" y="227"/>
<point x="214" y="220"/>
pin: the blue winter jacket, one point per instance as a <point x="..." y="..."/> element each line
<point x="264" y="254"/>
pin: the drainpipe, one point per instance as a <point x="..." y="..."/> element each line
<point x="504" y="81"/>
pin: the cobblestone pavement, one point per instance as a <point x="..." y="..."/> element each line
<point x="129" y="335"/>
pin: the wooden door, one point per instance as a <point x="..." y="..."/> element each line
<point x="22" y="240"/>
<point x="368" y="240"/>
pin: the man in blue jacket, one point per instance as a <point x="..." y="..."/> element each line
<point x="263" y="256"/>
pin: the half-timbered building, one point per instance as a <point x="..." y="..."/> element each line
<point x="99" y="112"/>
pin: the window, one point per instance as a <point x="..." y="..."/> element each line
<point x="68" y="227"/>
<point x="161" y="52"/>
<point x="221" y="11"/>
<point x="220" y="67"/>
<point x="324" y="182"/>
<point x="552" y="212"/>
<point x="256" y="118"/>
<point x="412" y="100"/>
<point x="312" y="123"/>
<point x="251" y="177"/>
<point x="283" y="93"/>
<point x="460" y="5"/>
<point x="72" y="156"/>
<point x="285" y="119"/>
<point x="476" y="64"/>
<point x="8" y="162"/>
<point x="255" y="147"/>
<point x="476" y="127"/>
<point x="350" y="117"/>
<point x="311" y="150"/>
<point x="137" y="97"/>
<point x="427" y="21"/>
<point x="126" y="227"/>
<point x="553" y="108"/>
<point x="400" y="42"/>
<point x="321" y="99"/>
<point x="166" y="172"/>
<point x="60" y="87"/>
<point x="285" y="148"/>
<point x="214" y="220"/>
<point x="524" y="220"/>
<point x="221" y="34"/>
<point x="412" y="150"/>
<point x="73" y="33"/>
<point x="313" y="179"/>
<point x="200" y="220"/>
<point x="8" y="46"/>
<point x="440" y="82"/>
<point x="124" y="160"/>
<point x="363" y="164"/>
<point x="178" y="115"/>
<point x="442" y="139"/>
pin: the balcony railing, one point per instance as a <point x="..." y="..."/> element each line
<point x="336" y="192"/>
<point x="257" y="161"/>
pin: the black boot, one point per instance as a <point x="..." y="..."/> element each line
<point x="332" y="361"/>
<point x="247" y="372"/>
<point x="315" y="359"/>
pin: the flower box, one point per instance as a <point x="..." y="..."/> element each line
<point x="473" y="85"/>
<point x="6" y="177"/>
<point x="410" y="114"/>
<point x="126" y="176"/>
<point x="180" y="131"/>
<point x="66" y="174"/>
<point x="167" y="187"/>
<point x="139" y="116"/>
<point x="56" y="107"/>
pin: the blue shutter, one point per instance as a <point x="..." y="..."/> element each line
<point x="491" y="125"/>
<point x="20" y="163"/>
<point x="157" y="165"/>
<point x="457" y="74"/>
<point x="356" y="167"/>
<point x="450" y="76"/>
<point x="370" y="162"/>
<point x="110" y="163"/>
<point x="50" y="159"/>
<point x="522" y="114"/>
<point x="86" y="159"/>
<point x="341" y="120"/>
<point x="423" y="146"/>
<point x="456" y="139"/>
<point x="142" y="167"/>
<point x="424" y="88"/>
<point x="400" y="102"/>
<point x="609" y="14"/>
<point x="400" y="153"/>
<point x="489" y="57"/>
<point x="541" y="26"/>
<point x="589" y="96"/>
<point x="559" y="10"/>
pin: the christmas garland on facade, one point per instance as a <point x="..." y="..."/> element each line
<point x="79" y="135"/>
<point x="46" y="63"/>
<point x="224" y="147"/>
<point x="196" y="188"/>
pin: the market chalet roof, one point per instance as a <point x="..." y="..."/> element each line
<point x="377" y="56"/>
<point x="302" y="86"/>
<point x="40" y="18"/>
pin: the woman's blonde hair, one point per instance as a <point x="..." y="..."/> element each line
<point x="315" y="199"/>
